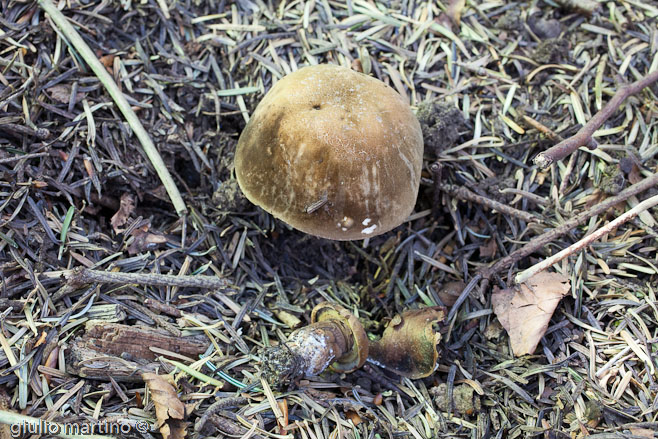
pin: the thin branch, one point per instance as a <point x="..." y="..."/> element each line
<point x="23" y="157"/>
<point x="540" y="241"/>
<point x="83" y="276"/>
<point x="584" y="136"/>
<point x="587" y="240"/>
<point x="462" y="193"/>
<point x="119" y="99"/>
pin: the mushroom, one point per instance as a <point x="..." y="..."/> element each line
<point x="333" y="153"/>
<point x="334" y="339"/>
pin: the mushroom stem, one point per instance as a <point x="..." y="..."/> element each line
<point x="337" y="339"/>
<point x="308" y="352"/>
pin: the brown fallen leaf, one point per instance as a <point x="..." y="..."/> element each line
<point x="489" y="249"/>
<point x="42" y="339"/>
<point x="525" y="310"/>
<point x="169" y="410"/>
<point x="454" y="11"/>
<point x="641" y="432"/>
<point x="450" y="292"/>
<point x="353" y="416"/>
<point x="62" y="93"/>
<point x="126" y="208"/>
<point x="145" y="240"/>
<point x="408" y="346"/>
<point x="107" y="61"/>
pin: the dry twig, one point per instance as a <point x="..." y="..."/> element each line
<point x="584" y="136"/>
<point x="82" y="276"/>
<point x="464" y="194"/>
<point x="587" y="240"/>
<point x="538" y="242"/>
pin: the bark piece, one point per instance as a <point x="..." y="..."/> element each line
<point x="89" y="363"/>
<point x="135" y="341"/>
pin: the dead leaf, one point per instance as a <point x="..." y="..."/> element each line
<point x="283" y="422"/>
<point x="354" y="417"/>
<point x="107" y="61"/>
<point x="160" y="193"/>
<point x="62" y="93"/>
<point x="450" y="292"/>
<point x="454" y="11"/>
<point x="408" y="346"/>
<point x="51" y="362"/>
<point x="641" y="432"/>
<point x="42" y="339"/>
<point x="525" y="310"/>
<point x="169" y="410"/>
<point x="126" y="208"/>
<point x="145" y="240"/>
<point x="634" y="176"/>
<point x="489" y="249"/>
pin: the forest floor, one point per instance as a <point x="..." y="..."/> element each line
<point x="503" y="81"/>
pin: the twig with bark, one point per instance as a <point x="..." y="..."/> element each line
<point x="584" y="136"/>
<point x="466" y="195"/>
<point x="587" y="240"/>
<point x="81" y="276"/>
<point x="540" y="241"/>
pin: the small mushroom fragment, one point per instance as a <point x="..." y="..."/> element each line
<point x="408" y="346"/>
<point x="357" y="354"/>
<point x="332" y="152"/>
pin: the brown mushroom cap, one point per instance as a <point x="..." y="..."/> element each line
<point x="332" y="152"/>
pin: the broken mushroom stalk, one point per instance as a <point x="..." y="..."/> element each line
<point x="336" y="339"/>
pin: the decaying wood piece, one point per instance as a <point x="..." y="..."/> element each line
<point x="83" y="276"/>
<point x="110" y="312"/>
<point x="89" y="363"/>
<point x="136" y="341"/>
<point x="123" y="352"/>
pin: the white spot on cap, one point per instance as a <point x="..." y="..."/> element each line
<point x="366" y="221"/>
<point x="369" y="230"/>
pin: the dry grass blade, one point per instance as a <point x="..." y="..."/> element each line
<point x="89" y="57"/>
